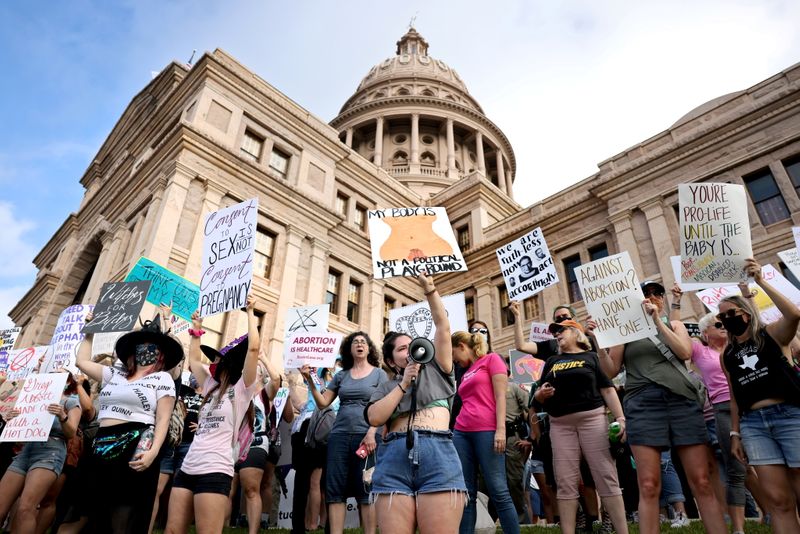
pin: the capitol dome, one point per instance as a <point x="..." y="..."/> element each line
<point x="413" y="116"/>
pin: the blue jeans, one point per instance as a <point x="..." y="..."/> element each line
<point x="477" y="449"/>
<point x="671" y="490"/>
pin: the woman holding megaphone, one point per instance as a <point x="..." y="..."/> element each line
<point x="417" y="480"/>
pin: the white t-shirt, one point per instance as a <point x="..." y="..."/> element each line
<point x="133" y="401"/>
<point x="212" y="447"/>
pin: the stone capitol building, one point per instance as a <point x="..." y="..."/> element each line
<point x="199" y="138"/>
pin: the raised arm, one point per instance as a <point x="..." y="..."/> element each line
<point x="676" y="338"/>
<point x="249" y="372"/>
<point x="195" y="355"/>
<point x="83" y="359"/>
<point x="323" y="400"/>
<point x="165" y="311"/>
<point x="88" y="410"/>
<point x="275" y="377"/>
<point x="784" y="329"/>
<point x="441" y="340"/>
<point x="675" y="305"/>
<point x="519" y="335"/>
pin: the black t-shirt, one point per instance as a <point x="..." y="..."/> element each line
<point x="192" y="401"/>
<point x="577" y="379"/>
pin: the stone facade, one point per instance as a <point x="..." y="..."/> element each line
<point x="195" y="140"/>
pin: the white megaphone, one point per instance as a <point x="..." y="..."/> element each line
<point x="421" y="350"/>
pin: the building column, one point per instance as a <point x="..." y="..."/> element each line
<point x="501" y="174"/>
<point x="415" y="139"/>
<point x="211" y="203"/>
<point x="451" y="151"/>
<point x="509" y="185"/>
<point x="348" y="138"/>
<point x="479" y="152"/>
<point x="101" y="270"/>
<point x="625" y="238"/>
<point x="317" y="276"/>
<point x="379" y="141"/>
<point x="294" y="239"/>
<point x="484" y="309"/>
<point x="662" y="239"/>
<point x="162" y="235"/>
<point x="375" y="317"/>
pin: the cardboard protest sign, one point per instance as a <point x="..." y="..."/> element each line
<point x="767" y="310"/>
<point x="23" y="362"/>
<point x="34" y="422"/>
<point x="675" y="261"/>
<point x="104" y="343"/>
<point x="8" y="338"/>
<point x="539" y="332"/>
<point x="9" y="392"/>
<point x="416" y="320"/>
<point x="527" y="265"/>
<point x="791" y="259"/>
<point x="693" y="329"/>
<point x="613" y="298"/>
<point x="317" y="349"/>
<point x="118" y="307"/>
<point x="228" y="249"/>
<point x="167" y="287"/>
<point x="306" y="319"/>
<point x="715" y="232"/>
<point x="525" y="368"/>
<point x="405" y="241"/>
<point x="66" y="339"/>
<point x="280" y="401"/>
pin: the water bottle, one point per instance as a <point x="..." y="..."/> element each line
<point x="145" y="441"/>
<point x="613" y="432"/>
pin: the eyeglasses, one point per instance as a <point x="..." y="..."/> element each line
<point x="483" y="331"/>
<point x="730" y="314"/>
<point x="359" y="342"/>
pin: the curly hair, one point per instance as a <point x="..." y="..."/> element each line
<point x="347" y="357"/>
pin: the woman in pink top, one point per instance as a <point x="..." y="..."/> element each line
<point x="203" y="482"/>
<point x="480" y="430"/>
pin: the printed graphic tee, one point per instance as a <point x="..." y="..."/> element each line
<point x="133" y="400"/>
<point x="577" y="379"/>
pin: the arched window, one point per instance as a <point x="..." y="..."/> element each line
<point x="428" y="159"/>
<point x="427" y="92"/>
<point x="402" y="92"/>
<point x="399" y="159"/>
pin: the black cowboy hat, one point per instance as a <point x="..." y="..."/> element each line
<point x="170" y="348"/>
<point x="231" y="358"/>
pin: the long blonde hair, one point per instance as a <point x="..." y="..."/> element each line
<point x="753" y="327"/>
<point x="475" y="342"/>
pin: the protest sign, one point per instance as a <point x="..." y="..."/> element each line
<point x="317" y="349"/>
<point x="228" y="249"/>
<point x="539" y="332"/>
<point x="613" y="298"/>
<point x="675" y="261"/>
<point x="34" y="421"/>
<point x="767" y="310"/>
<point x="306" y="319"/>
<point x="66" y="339"/>
<point x="715" y="232"/>
<point x="280" y="401"/>
<point x="416" y="320"/>
<point x="118" y="307"/>
<point x="167" y="287"/>
<point x="693" y="329"/>
<point x="525" y="368"/>
<point x="796" y="232"/>
<point x="22" y="362"/>
<point x="8" y="338"/>
<point x="104" y="343"/>
<point x="9" y="392"/>
<point x="527" y="265"/>
<point x="791" y="259"/>
<point x="405" y="241"/>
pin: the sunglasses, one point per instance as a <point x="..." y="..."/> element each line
<point x="483" y="331"/>
<point x="653" y="293"/>
<point x="730" y="314"/>
<point x="718" y="325"/>
<point x="562" y="318"/>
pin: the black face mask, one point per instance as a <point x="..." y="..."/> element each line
<point x="735" y="325"/>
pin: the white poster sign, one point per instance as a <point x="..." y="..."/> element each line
<point x="317" y="349"/>
<point x="280" y="401"/>
<point x="613" y="298"/>
<point x="228" y="248"/>
<point x="767" y="310"/>
<point x="675" y="261"/>
<point x="416" y="319"/>
<point x="351" y="520"/>
<point x="715" y="232"/>
<point x="405" y="241"/>
<point x="104" y="343"/>
<point x="539" y="332"/>
<point x="791" y="259"/>
<point x="34" y="422"/>
<point x="306" y="319"/>
<point x="527" y="265"/>
<point x="23" y="362"/>
<point x="796" y="232"/>
<point x="67" y="338"/>
<point x="8" y="338"/>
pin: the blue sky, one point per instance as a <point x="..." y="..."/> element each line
<point x="571" y="83"/>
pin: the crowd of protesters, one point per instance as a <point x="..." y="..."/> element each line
<point x="652" y="431"/>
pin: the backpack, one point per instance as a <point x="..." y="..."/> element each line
<point x="319" y="427"/>
<point x="176" y="422"/>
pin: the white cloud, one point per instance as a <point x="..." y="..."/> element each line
<point x="9" y="297"/>
<point x="17" y="253"/>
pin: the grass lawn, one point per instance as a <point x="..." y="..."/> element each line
<point x="696" y="527"/>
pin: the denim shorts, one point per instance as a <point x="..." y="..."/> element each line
<point x="207" y="483"/>
<point x="173" y="459"/>
<point x="657" y="417"/>
<point x="50" y="454"/>
<point x="771" y="435"/>
<point x="432" y="465"/>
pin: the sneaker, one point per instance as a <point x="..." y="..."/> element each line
<point x="635" y="516"/>
<point x="663" y="519"/>
<point x="680" y="520"/>
<point x="580" y="520"/>
<point x="606" y="526"/>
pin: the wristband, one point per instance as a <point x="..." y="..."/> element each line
<point x="675" y="306"/>
<point x="431" y="292"/>
<point x="401" y="388"/>
<point x="196" y="333"/>
<point x="751" y="295"/>
<point x="735" y="434"/>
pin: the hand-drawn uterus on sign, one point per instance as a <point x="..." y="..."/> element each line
<point x="413" y="237"/>
<point x="528" y="366"/>
<point x="418" y="324"/>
